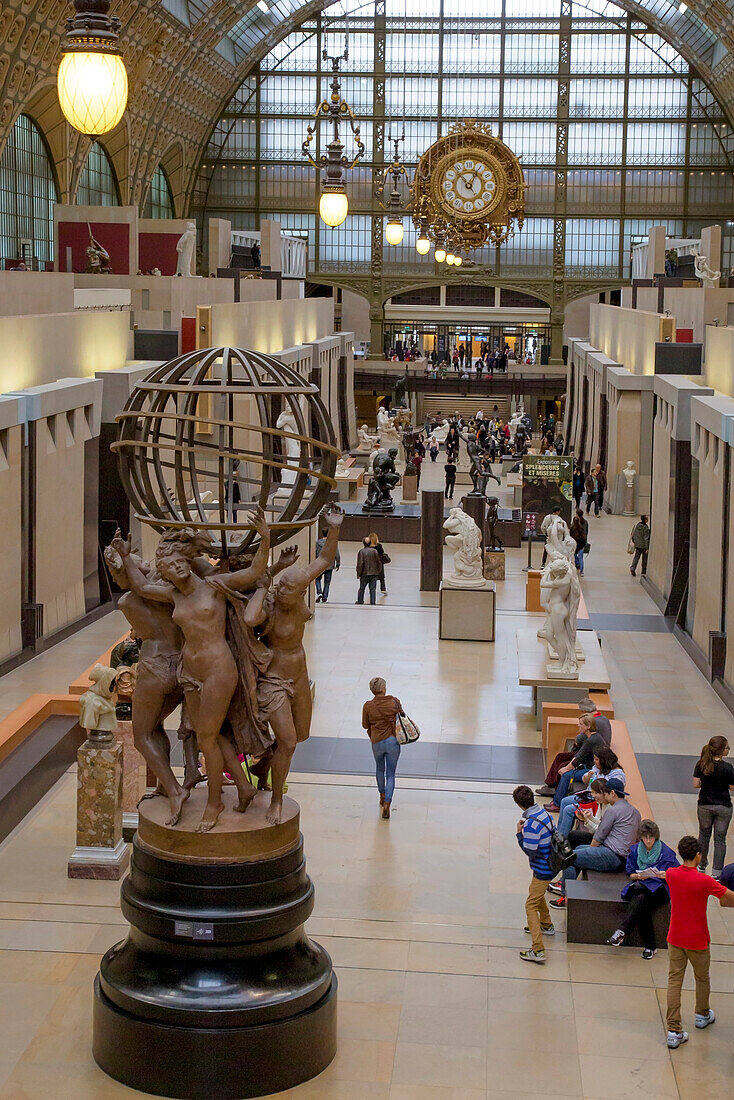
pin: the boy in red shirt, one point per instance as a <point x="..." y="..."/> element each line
<point x="688" y="935"/>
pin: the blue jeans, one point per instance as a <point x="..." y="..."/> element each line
<point x="565" y="818"/>
<point x="363" y="582"/>
<point x="579" y="559"/>
<point x="386" y="754"/>
<point x="326" y="578"/>
<point x="564" y="784"/>
<point x="593" y="859"/>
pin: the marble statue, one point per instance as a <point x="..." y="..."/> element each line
<point x="629" y="473"/>
<point x="388" y="433"/>
<point x="439" y="433"/>
<point x="365" y="440"/>
<point x="560" y="593"/>
<point x="97" y="705"/>
<point x="384" y="479"/>
<point x="342" y="470"/>
<point x="464" y="539"/>
<point x="517" y="418"/>
<point x="287" y="423"/>
<point x="98" y="258"/>
<point x="401" y="387"/>
<point x="186" y="246"/>
<point x="240" y="667"/>
<point x="709" y="278"/>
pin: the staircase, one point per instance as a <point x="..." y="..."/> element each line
<point x="447" y="404"/>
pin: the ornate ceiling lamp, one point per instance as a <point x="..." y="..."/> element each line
<point x="92" y="80"/>
<point x="394" y="205"/>
<point x="468" y="189"/>
<point x="334" y="204"/>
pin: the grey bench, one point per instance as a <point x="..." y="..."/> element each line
<point x="594" y="909"/>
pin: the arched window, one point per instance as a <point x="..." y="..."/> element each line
<point x="159" y="201"/>
<point x="97" y="183"/>
<point x="27" y="195"/>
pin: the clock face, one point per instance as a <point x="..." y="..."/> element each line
<point x="467" y="185"/>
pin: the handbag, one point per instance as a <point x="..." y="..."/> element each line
<point x="630" y="546"/>
<point x="587" y="547"/>
<point x="406" y="731"/>
<point x="386" y="559"/>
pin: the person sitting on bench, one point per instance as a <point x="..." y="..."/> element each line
<point x="600" y="733"/>
<point x="611" y="841"/>
<point x="606" y="766"/>
<point x="552" y="778"/>
<point x="647" y="862"/>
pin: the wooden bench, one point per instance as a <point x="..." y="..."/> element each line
<point x="594" y="909"/>
<point x="622" y="745"/>
<point x="571" y="710"/>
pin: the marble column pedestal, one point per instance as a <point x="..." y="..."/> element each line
<point x="494" y="565"/>
<point x="133" y="778"/>
<point x="100" y="851"/>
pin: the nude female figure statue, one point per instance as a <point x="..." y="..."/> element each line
<point x="208" y="670"/>
<point x="284" y="693"/>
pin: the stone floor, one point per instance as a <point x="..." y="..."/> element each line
<point x="423" y="915"/>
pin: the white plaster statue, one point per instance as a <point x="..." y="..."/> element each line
<point x="440" y="432"/>
<point x="559" y="594"/>
<point x="517" y="417"/>
<point x="389" y="435"/>
<point x="97" y="706"/>
<point x="465" y="542"/>
<point x="186" y="246"/>
<point x="629" y="474"/>
<point x="709" y="278"/>
<point x="558" y="538"/>
<point x="287" y="423"/>
<point x="342" y="470"/>
<point x="365" y="440"/>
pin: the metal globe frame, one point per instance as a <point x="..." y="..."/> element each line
<point x="164" y="455"/>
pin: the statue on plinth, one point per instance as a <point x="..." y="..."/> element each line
<point x="97" y="704"/>
<point x="439" y="433"/>
<point x="494" y="542"/>
<point x="480" y="467"/>
<point x="401" y="388"/>
<point x="186" y="246"/>
<point x="366" y="441"/>
<point x="560" y="594"/>
<point x="465" y="542"/>
<point x="709" y="278"/>
<point x="384" y="479"/>
<point x="286" y="422"/>
<point x="629" y="473"/>
<point x="98" y="259"/>
<point x="386" y="429"/>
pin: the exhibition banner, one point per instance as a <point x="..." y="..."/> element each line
<point x="547" y="481"/>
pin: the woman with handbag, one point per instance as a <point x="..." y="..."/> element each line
<point x="379" y="715"/>
<point x="384" y="557"/>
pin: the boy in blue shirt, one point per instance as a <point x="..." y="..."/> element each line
<point x="534" y="832"/>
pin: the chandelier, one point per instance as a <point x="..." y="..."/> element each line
<point x="92" y="80"/>
<point x="394" y="205"/>
<point x="334" y="204"/>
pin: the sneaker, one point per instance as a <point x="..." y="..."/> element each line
<point x="549" y="931"/>
<point x="318" y="599"/>
<point x="616" y="939"/>
<point x="558" y="903"/>
<point x="707" y="1020"/>
<point x="632" y="573"/>
<point x="545" y="791"/>
<point x="532" y="956"/>
<point x="649" y="952"/>
<point x="677" y="1038"/>
<point x="555" y="887"/>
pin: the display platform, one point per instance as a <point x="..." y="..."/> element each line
<point x="217" y="991"/>
<point x="403" y="525"/>
<point x="532" y="658"/>
<point x="467" y="614"/>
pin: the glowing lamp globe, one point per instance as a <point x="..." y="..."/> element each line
<point x="450" y="259"/>
<point x="457" y="261"/>
<point x="196" y="425"/>
<point x="394" y="231"/>
<point x="440" y="254"/>
<point x="333" y="207"/>
<point x="423" y="246"/>
<point x="92" y="91"/>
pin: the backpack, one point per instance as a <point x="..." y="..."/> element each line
<point x="561" y="853"/>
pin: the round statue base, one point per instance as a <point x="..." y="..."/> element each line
<point x="217" y="991"/>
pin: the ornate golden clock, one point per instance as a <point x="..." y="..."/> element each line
<point x="469" y="188"/>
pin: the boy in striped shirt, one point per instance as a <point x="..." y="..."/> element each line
<point x="534" y="831"/>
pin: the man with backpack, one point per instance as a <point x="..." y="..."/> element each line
<point x="534" y="835"/>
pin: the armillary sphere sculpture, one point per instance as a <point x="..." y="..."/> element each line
<point x="199" y="433"/>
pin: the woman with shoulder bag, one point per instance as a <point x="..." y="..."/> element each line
<point x="378" y="718"/>
<point x="579" y="532"/>
<point x="384" y="557"/>
<point x="713" y="776"/>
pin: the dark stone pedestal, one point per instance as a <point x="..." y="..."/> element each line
<point x="217" y="991"/>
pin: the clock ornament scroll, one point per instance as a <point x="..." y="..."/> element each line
<point x="469" y="187"/>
